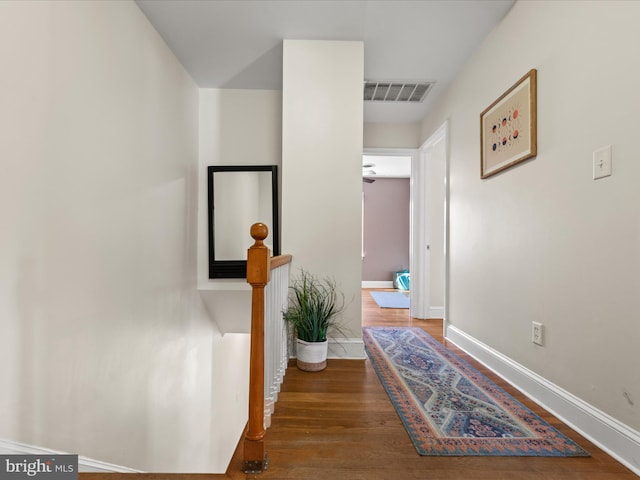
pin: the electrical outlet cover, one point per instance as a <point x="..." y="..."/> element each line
<point x="536" y="333"/>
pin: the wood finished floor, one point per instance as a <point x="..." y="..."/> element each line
<point x="339" y="424"/>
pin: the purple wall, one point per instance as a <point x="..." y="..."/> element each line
<point x="386" y="228"/>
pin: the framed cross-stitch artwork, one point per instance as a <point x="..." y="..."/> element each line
<point x="508" y="128"/>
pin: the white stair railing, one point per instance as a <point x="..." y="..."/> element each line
<point x="275" y="338"/>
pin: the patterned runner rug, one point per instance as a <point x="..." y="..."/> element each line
<point x="449" y="408"/>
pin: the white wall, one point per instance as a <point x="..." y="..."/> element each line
<point x="237" y="127"/>
<point x="322" y="118"/>
<point x="543" y="241"/>
<point x="106" y="349"/>
<point x="386" y="228"/>
<point x="391" y="135"/>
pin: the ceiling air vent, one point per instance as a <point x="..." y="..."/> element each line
<point x="413" y="92"/>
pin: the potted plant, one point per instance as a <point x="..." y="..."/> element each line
<point x="314" y="308"/>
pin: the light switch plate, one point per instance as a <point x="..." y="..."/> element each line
<point x="602" y="162"/>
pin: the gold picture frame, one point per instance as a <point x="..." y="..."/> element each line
<point x="508" y="130"/>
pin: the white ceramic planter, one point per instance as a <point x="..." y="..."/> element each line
<point x="311" y="356"/>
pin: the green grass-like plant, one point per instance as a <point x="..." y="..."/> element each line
<point x="315" y="306"/>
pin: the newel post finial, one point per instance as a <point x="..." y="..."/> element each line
<point x="259" y="231"/>
<point x="258" y="256"/>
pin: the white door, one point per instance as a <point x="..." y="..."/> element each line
<point x="428" y="236"/>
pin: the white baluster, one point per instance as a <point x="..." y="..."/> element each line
<point x="275" y="338"/>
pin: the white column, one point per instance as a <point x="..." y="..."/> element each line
<point x="322" y="123"/>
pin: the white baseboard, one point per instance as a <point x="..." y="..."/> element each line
<point x="346" y="348"/>
<point x="377" y="284"/>
<point x="436" y="312"/>
<point x="9" y="447"/>
<point x="612" y="436"/>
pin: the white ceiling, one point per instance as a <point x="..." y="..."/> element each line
<point x="238" y="43"/>
<point x="386" y="166"/>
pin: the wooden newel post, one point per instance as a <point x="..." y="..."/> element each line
<point x="255" y="456"/>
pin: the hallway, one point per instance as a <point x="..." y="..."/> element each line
<point x="340" y="424"/>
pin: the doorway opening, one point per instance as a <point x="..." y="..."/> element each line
<point x="417" y="234"/>
<point x="386" y="211"/>
<point x="386" y="230"/>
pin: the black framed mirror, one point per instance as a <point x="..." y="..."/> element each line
<point x="240" y="196"/>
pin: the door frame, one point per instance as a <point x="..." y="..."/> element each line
<point x="420" y="252"/>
